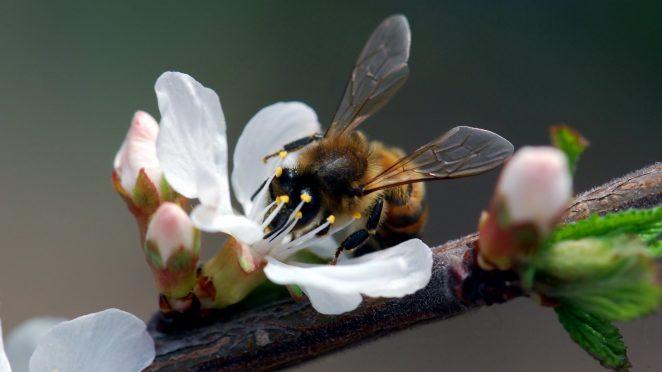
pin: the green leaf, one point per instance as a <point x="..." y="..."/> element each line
<point x="647" y="223"/>
<point x="597" y="336"/>
<point x="570" y="142"/>
<point x="611" y="277"/>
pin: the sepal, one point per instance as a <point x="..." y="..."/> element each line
<point x="229" y="276"/>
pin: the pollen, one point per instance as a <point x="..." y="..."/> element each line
<point x="282" y="154"/>
<point x="279" y="171"/>
<point x="357" y="216"/>
<point x="331" y="219"/>
<point x="306" y="198"/>
<point x="298" y="215"/>
<point x="284" y="199"/>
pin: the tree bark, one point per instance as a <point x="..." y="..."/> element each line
<point x="286" y="332"/>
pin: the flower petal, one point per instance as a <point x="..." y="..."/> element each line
<point x="324" y="248"/>
<point x="192" y="146"/>
<point x="393" y="272"/>
<point x="23" y="340"/>
<point x="4" y="363"/>
<point x="331" y="303"/>
<point x="209" y="219"/>
<point x="110" y="340"/>
<point x="267" y="132"/>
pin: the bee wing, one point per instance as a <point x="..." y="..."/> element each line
<point x="460" y="152"/>
<point x="380" y="71"/>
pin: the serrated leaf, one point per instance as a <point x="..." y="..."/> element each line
<point x="597" y="336"/>
<point x="570" y="141"/>
<point x="611" y="277"/>
<point x="647" y="223"/>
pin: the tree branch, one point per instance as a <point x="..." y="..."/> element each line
<point x="286" y="332"/>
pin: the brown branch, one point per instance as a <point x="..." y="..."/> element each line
<point x="286" y="332"/>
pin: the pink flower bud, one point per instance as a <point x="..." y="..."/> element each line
<point x="138" y="151"/>
<point x="535" y="186"/>
<point x="172" y="248"/>
<point x="171" y="229"/>
<point x="533" y="190"/>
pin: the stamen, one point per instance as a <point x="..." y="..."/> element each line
<point x="288" y="226"/>
<point x="306" y="198"/>
<point x="356" y="216"/>
<point x="272" y="215"/>
<point x="298" y="215"/>
<point x="264" y="211"/>
<point x="309" y="239"/>
<point x="282" y="154"/>
<point x="283" y="199"/>
<point x="331" y="219"/>
<point x="307" y="236"/>
<point x="279" y="171"/>
<point x="262" y="192"/>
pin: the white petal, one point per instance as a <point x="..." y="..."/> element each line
<point x="23" y="340"/>
<point x="110" y="340"/>
<point x="267" y="132"/>
<point x="393" y="272"/>
<point x="192" y="146"/>
<point x="324" y="248"/>
<point x="4" y="363"/>
<point x="332" y="303"/>
<point x="209" y="219"/>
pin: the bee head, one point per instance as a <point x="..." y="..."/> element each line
<point x="299" y="197"/>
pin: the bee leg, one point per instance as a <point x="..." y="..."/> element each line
<point x="296" y="145"/>
<point x="353" y="241"/>
<point x="359" y="237"/>
<point x="259" y="189"/>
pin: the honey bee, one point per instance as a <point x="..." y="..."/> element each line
<point x="341" y="175"/>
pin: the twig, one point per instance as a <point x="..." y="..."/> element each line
<point x="286" y="332"/>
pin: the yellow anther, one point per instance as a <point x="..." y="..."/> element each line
<point x="331" y="219"/>
<point x="306" y="198"/>
<point x="282" y="154"/>
<point x="284" y="199"/>
<point x="356" y="216"/>
<point x="279" y="171"/>
<point x="298" y="215"/>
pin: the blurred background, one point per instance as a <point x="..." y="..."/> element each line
<point x="72" y="75"/>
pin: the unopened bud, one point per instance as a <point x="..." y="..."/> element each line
<point x="172" y="248"/>
<point x="535" y="187"/>
<point x="533" y="190"/>
<point x="138" y="152"/>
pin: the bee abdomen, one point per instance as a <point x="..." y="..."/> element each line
<point x="402" y="223"/>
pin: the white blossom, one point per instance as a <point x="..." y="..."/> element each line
<point x="193" y="154"/>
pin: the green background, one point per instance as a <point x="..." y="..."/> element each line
<point x="73" y="73"/>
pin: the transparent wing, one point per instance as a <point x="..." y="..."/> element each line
<point x="460" y="152"/>
<point x="380" y="70"/>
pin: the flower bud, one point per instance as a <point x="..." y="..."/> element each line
<point x="533" y="190"/>
<point x="535" y="186"/>
<point x="172" y="248"/>
<point x="138" y="151"/>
